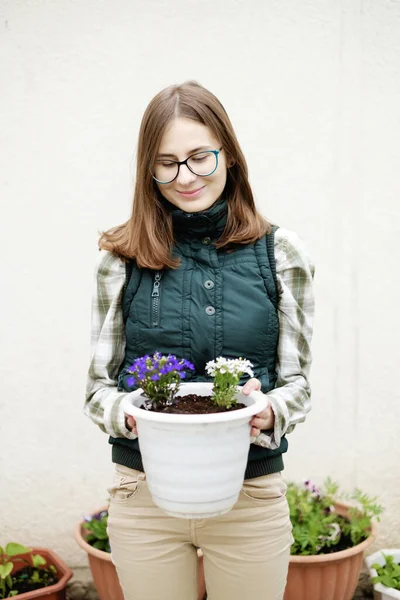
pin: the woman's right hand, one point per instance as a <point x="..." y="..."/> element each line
<point x="130" y="424"/>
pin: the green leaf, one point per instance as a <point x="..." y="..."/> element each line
<point x="6" y="569"/>
<point x="98" y="544"/>
<point x="13" y="593"/>
<point x="387" y="580"/>
<point x="12" y="549"/>
<point x="38" y="560"/>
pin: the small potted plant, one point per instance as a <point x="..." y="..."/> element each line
<point x="183" y="426"/>
<point x="91" y="535"/>
<point x="330" y="538"/>
<point x="31" y="573"/>
<point x="384" y="570"/>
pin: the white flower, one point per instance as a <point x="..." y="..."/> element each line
<point x="335" y="533"/>
<point x="235" y="366"/>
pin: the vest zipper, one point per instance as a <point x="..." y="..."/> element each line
<point x="155" y="295"/>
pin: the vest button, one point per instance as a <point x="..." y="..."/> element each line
<point x="206" y="241"/>
<point x="210" y="310"/>
<point x="209" y="284"/>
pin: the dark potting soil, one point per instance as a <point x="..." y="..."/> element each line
<point x="192" y="404"/>
<point x="343" y="544"/>
<point x="22" y="580"/>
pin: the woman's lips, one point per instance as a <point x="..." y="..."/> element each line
<point x="192" y="194"/>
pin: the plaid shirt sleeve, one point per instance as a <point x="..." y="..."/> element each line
<point x="103" y="400"/>
<point x="290" y="399"/>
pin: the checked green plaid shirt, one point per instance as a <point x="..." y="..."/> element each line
<point x="290" y="399"/>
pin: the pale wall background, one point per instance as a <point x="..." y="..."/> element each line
<point x="313" y="90"/>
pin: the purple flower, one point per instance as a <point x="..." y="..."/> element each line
<point x="312" y="489"/>
<point x="158" y="375"/>
<point x="315" y="490"/>
<point x="188" y="365"/>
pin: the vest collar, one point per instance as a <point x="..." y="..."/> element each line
<point x="206" y="223"/>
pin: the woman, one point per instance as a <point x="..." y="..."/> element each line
<point x="209" y="277"/>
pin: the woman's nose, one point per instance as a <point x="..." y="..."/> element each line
<point x="185" y="176"/>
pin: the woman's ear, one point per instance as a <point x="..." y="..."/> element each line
<point x="230" y="161"/>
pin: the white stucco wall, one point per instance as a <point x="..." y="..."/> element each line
<point x="313" y="90"/>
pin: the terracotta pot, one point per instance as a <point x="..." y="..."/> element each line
<point x="327" y="576"/>
<point x="104" y="574"/>
<point x="51" y="592"/>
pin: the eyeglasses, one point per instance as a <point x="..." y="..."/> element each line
<point x="202" y="164"/>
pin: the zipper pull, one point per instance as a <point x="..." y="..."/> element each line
<point x="156" y="285"/>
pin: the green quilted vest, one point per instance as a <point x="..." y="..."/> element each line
<point x="217" y="303"/>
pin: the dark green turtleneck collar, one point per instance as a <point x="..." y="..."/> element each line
<point x="206" y="223"/>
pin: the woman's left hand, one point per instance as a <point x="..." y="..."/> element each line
<point x="266" y="418"/>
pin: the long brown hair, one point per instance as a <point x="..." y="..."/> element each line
<point x="148" y="235"/>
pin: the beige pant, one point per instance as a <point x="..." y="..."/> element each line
<point x="246" y="551"/>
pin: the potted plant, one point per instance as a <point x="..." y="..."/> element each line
<point x="185" y="425"/>
<point x="330" y="538"/>
<point x="91" y="535"/>
<point x="384" y="570"/>
<point x="32" y="573"/>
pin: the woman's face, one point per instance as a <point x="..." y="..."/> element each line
<point x="190" y="192"/>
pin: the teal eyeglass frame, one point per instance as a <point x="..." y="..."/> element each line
<point x="185" y="162"/>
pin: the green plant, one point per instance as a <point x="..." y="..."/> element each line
<point x="159" y="376"/>
<point x="39" y="576"/>
<point x="227" y="373"/>
<point x="317" y="528"/>
<point x="388" y="574"/>
<point x="96" y="527"/>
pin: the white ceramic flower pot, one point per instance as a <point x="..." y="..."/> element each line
<point x="381" y="591"/>
<point x="195" y="464"/>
